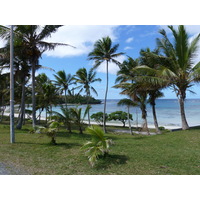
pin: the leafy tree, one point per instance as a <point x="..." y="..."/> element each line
<point x="104" y="51"/>
<point x="120" y="116"/>
<point x="98" y="146"/>
<point x="129" y="103"/>
<point x="98" y="117"/>
<point x="85" y="79"/>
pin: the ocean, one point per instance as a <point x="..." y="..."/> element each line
<point x="168" y="113"/>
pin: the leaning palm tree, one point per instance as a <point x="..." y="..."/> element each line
<point x="177" y="64"/>
<point x="129" y="103"/>
<point x="85" y="79"/>
<point x="30" y="39"/>
<point x="63" y="81"/>
<point x="154" y="88"/>
<point x="104" y="51"/>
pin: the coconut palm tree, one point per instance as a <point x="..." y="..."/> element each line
<point x="85" y="79"/>
<point x="177" y="64"/>
<point x="104" y="51"/>
<point x="30" y="39"/>
<point x="63" y="81"/>
<point x="64" y="117"/>
<point x="129" y="103"/>
<point x="77" y="118"/>
<point x="132" y="86"/>
<point x="154" y="88"/>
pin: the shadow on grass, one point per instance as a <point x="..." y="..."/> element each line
<point x="63" y="145"/>
<point x="114" y="159"/>
<point x="67" y="145"/>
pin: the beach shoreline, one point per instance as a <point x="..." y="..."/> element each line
<point x="111" y="123"/>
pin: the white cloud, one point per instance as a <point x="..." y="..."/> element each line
<point x="82" y="37"/>
<point x="112" y="68"/>
<point x="127" y="48"/>
<point x="129" y="40"/>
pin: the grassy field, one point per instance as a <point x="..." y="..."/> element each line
<point x="170" y="153"/>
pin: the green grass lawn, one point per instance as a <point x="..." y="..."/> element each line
<point x="170" y="153"/>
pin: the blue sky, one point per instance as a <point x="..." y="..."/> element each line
<point x="131" y="38"/>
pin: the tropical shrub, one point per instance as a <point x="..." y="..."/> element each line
<point x="77" y="118"/>
<point x="99" y="144"/>
<point x="50" y="131"/>
<point x="120" y="116"/>
<point x="98" y="117"/>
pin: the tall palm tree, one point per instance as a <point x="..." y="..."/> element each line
<point x="177" y="64"/>
<point x="129" y="103"/>
<point x="85" y="79"/>
<point x="132" y="86"/>
<point x="63" y="80"/>
<point x="30" y="38"/>
<point x="104" y="51"/>
<point x="154" y="88"/>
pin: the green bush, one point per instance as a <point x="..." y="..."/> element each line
<point x="99" y="144"/>
<point x="119" y="116"/>
<point x="98" y="117"/>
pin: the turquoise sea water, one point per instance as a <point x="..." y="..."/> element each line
<point x="168" y="112"/>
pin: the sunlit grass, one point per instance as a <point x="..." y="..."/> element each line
<point x="169" y="153"/>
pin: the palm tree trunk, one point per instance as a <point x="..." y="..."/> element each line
<point x="104" y="112"/>
<point x="144" y="117"/>
<point x="182" y="111"/>
<point x="22" y="111"/>
<point x="33" y="95"/>
<point x="66" y="98"/>
<point x="89" y="109"/>
<point x="129" y="122"/>
<point x="155" y="118"/>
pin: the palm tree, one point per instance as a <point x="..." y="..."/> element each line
<point x="177" y="64"/>
<point x="85" y="79"/>
<point x="154" y="88"/>
<point x="104" y="51"/>
<point x="128" y="103"/>
<point x="63" y="80"/>
<point x="30" y="39"/>
<point x="132" y="86"/>
<point x="64" y="117"/>
<point x="76" y="116"/>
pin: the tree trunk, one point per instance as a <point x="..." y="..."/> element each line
<point x="129" y="121"/>
<point x="104" y="111"/>
<point x="155" y="118"/>
<point x="182" y="111"/>
<point x="89" y="109"/>
<point x="66" y="98"/>
<point x="144" y="117"/>
<point x="46" y="116"/>
<point x="33" y="95"/>
<point x="22" y="110"/>
<point x="53" y="141"/>
<point x="80" y="129"/>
